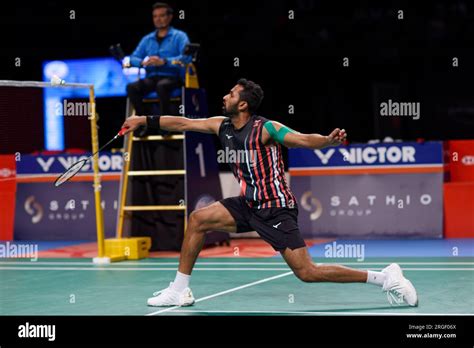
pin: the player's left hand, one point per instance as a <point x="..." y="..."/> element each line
<point x="337" y="137"/>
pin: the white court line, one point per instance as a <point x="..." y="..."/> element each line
<point x="106" y="268"/>
<point x="99" y="268"/>
<point x="321" y="313"/>
<point x="226" y="292"/>
<point x="143" y="263"/>
<point x="128" y="263"/>
<point x="195" y="269"/>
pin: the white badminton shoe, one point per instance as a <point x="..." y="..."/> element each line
<point x="171" y="297"/>
<point x="399" y="289"/>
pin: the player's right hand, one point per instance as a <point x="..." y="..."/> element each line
<point x="133" y="122"/>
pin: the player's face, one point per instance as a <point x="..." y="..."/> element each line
<point x="161" y="18"/>
<point x="231" y="102"/>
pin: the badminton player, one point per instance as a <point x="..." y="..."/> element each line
<point x="266" y="204"/>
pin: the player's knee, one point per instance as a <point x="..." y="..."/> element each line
<point x="197" y="220"/>
<point x="304" y="274"/>
<point x="310" y="274"/>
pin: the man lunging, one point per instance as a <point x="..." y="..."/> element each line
<point x="266" y="204"/>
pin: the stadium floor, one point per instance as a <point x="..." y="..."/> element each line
<point x="226" y="286"/>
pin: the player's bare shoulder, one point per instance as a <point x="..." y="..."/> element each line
<point x="215" y="123"/>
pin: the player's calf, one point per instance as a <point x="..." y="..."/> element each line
<point x="313" y="273"/>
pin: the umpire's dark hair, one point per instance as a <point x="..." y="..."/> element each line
<point x="252" y="94"/>
<point x="156" y="5"/>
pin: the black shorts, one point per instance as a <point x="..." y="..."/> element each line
<point x="277" y="226"/>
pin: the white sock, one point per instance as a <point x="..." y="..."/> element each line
<point x="181" y="281"/>
<point x="376" y="278"/>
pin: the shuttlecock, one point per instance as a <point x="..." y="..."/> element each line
<point x="57" y="81"/>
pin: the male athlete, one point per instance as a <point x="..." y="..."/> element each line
<point x="266" y="204"/>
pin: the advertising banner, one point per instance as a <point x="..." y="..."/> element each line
<point x="461" y="160"/>
<point x="7" y="195"/>
<point x="388" y="190"/>
<point x="67" y="212"/>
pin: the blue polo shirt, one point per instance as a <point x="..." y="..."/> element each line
<point x="171" y="48"/>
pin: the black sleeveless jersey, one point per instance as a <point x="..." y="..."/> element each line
<point x="258" y="168"/>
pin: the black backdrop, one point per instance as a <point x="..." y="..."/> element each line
<point x="298" y="62"/>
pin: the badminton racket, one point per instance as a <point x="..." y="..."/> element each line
<point x="77" y="166"/>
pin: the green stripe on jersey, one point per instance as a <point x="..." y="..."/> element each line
<point x="277" y="135"/>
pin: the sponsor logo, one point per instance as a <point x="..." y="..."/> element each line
<point x="312" y="204"/>
<point x="370" y="155"/>
<point x="34" y="209"/>
<point x="358" y="205"/>
<point x="70" y="209"/>
<point x="6" y="172"/>
<point x="468" y="160"/>
<point x="106" y="163"/>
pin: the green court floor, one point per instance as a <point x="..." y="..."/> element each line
<point x="225" y="286"/>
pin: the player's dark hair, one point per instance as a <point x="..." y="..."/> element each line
<point x="156" y="5"/>
<point x="252" y="94"/>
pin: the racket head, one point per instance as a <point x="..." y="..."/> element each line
<point x="70" y="172"/>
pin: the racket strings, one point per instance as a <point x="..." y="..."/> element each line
<point x="76" y="167"/>
<point x="73" y="170"/>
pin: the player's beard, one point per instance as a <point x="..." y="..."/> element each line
<point x="231" y="111"/>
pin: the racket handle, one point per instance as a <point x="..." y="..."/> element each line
<point x="122" y="131"/>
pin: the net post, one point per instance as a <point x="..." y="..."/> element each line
<point x="97" y="185"/>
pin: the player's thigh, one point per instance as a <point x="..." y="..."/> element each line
<point x="214" y="217"/>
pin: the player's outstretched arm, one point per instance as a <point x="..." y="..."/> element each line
<point x="290" y="138"/>
<point x="174" y="123"/>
